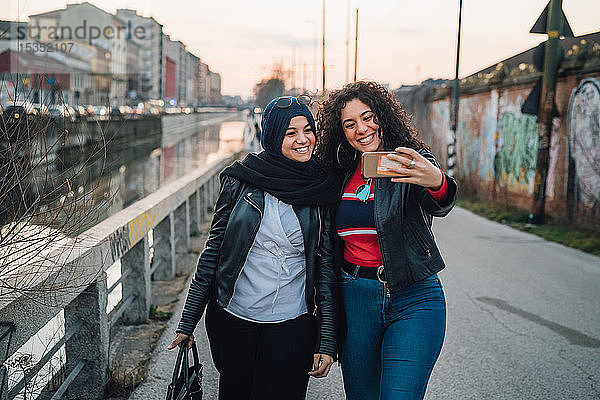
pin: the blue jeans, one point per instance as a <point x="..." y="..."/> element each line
<point x="393" y="342"/>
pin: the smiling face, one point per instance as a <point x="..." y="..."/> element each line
<point x="299" y="140"/>
<point x="358" y="123"/>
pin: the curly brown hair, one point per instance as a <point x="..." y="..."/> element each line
<point x="332" y="148"/>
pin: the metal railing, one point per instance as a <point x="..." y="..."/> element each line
<point x="170" y="215"/>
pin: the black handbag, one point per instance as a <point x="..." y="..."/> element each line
<point x="186" y="383"/>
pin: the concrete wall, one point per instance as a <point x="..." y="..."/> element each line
<point x="497" y="144"/>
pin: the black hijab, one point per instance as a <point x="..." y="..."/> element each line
<point x="293" y="182"/>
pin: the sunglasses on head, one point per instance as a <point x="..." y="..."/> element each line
<point x="285" y="102"/>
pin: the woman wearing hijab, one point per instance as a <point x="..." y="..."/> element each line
<point x="270" y="306"/>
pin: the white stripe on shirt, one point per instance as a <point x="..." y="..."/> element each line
<point x="353" y="196"/>
<point x="358" y="232"/>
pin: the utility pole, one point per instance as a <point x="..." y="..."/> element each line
<point x="348" y="42"/>
<point x="304" y="78"/>
<point x="554" y="28"/>
<point x="323" y="50"/>
<point x="356" y="47"/>
<point x="455" y="100"/>
<point x="294" y="68"/>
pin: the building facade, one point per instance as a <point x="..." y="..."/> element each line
<point x="147" y="33"/>
<point x="87" y="25"/>
<point x="115" y="59"/>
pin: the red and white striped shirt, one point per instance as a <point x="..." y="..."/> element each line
<point x="355" y="222"/>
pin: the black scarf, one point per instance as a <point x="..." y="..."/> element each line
<point x="293" y="182"/>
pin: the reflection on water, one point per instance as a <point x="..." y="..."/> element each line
<point x="184" y="143"/>
<point x="73" y="175"/>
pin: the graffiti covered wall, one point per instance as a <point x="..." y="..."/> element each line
<point x="476" y="132"/>
<point x="584" y="147"/>
<point x="497" y="147"/>
<point x="439" y="121"/>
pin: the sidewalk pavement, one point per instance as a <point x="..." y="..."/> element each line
<point x="522" y="321"/>
<point x="163" y="361"/>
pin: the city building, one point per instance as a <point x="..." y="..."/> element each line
<point x="45" y="81"/>
<point x="115" y="59"/>
<point x="133" y="71"/>
<point x="179" y="86"/>
<point x="73" y="59"/>
<point x="87" y="24"/>
<point x="147" y="33"/>
<point x="214" y="95"/>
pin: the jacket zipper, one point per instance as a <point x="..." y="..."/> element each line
<point x="319" y="237"/>
<point x="319" y="254"/>
<point x="420" y="240"/>
<point x="387" y="289"/>
<point x="248" y="251"/>
<point x="253" y="205"/>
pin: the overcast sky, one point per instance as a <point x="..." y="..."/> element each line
<point x="400" y="41"/>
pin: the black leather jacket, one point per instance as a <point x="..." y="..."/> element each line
<point x="236" y="220"/>
<point x="403" y="217"/>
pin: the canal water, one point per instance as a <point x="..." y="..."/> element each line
<point x="136" y="163"/>
<point x="185" y="142"/>
<point x="75" y="174"/>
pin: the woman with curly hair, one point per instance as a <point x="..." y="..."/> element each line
<point x="381" y="243"/>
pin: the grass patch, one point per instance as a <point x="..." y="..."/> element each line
<point x="572" y="236"/>
<point x="121" y="383"/>
<point x="157" y="314"/>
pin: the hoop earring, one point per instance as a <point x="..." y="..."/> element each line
<point x="337" y="155"/>
<point x="380" y="133"/>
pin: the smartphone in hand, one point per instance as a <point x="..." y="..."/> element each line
<point x="376" y="165"/>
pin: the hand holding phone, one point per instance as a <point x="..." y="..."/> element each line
<point x="377" y="165"/>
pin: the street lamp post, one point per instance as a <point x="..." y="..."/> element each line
<point x="554" y="28"/>
<point x="356" y="47"/>
<point x="455" y="100"/>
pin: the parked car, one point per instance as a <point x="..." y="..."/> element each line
<point x="14" y="113"/>
<point x="39" y="109"/>
<point x="127" y="111"/>
<point x="18" y="110"/>
<point x="62" y="111"/>
<point x="100" y="112"/>
<point x="115" y="112"/>
<point x="55" y="111"/>
<point x="89" y="110"/>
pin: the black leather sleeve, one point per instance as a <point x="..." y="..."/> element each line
<point x="427" y="202"/>
<point x="198" y="294"/>
<point x="328" y="289"/>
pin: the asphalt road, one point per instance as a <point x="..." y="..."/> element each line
<point x="523" y="321"/>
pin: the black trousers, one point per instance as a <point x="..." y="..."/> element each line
<point x="258" y="361"/>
